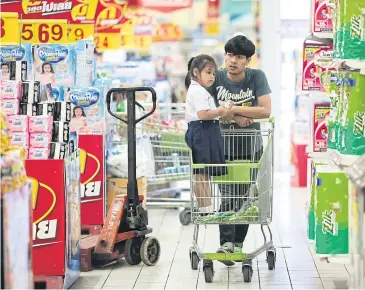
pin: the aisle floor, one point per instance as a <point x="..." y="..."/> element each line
<point x="296" y="266"/>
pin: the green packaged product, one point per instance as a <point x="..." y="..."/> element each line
<point x="335" y="90"/>
<point x="331" y="212"/>
<point x="350" y="29"/>
<point x="352" y="125"/>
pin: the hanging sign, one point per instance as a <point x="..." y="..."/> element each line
<point x="79" y="31"/>
<point x="165" y="6"/>
<point x="167" y="32"/>
<point x="9" y="28"/>
<point x="44" y="31"/>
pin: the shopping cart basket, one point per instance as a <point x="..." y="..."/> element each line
<point x="242" y="196"/>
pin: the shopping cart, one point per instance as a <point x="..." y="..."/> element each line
<point x="242" y="196"/>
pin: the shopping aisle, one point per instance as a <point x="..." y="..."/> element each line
<point x="296" y="268"/>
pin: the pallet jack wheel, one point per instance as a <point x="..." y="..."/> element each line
<point x="150" y="251"/>
<point x="132" y="251"/>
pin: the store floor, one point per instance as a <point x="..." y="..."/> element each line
<point x="296" y="266"/>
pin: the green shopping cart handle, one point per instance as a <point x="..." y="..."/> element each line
<point x="270" y="120"/>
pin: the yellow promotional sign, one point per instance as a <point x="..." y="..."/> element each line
<point x="36" y="185"/>
<point x="40" y="31"/>
<point x="9" y="28"/>
<point x="212" y="27"/>
<point x="80" y="31"/>
<point x="105" y="41"/>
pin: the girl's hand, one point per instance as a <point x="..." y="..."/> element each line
<point x="222" y="111"/>
<point x="227" y="117"/>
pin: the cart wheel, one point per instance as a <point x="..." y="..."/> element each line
<point x="194" y="260"/>
<point x="208" y="274"/>
<point x="185" y="217"/>
<point x="132" y="251"/>
<point x="271" y="260"/>
<point x="247" y="273"/>
<point x="150" y="251"/>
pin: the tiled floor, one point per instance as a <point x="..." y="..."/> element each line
<point x="296" y="267"/>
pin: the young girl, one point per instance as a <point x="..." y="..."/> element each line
<point x="203" y="135"/>
<point x="78" y="122"/>
<point x="47" y="80"/>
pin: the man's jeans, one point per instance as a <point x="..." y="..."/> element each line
<point x="235" y="194"/>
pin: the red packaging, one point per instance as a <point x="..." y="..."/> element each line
<point x="317" y="59"/>
<point x="323" y="13"/>
<point x="321" y="112"/>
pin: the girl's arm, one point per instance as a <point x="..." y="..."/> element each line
<point x="212" y="114"/>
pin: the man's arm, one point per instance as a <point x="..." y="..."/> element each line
<point x="262" y="92"/>
<point x="263" y="111"/>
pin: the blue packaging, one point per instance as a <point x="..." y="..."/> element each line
<point x="87" y="110"/>
<point x="54" y="66"/>
<point x="16" y="62"/>
<point x="85" y="63"/>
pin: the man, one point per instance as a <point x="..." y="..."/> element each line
<point x="249" y="91"/>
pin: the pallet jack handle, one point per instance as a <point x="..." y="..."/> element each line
<point x="131" y="121"/>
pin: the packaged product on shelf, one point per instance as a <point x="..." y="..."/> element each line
<point x="349" y="35"/>
<point x="60" y="132"/>
<point x="335" y="91"/>
<point x="317" y="58"/>
<point x="54" y="66"/>
<point x="323" y="14"/>
<point x="57" y="150"/>
<point x="38" y="153"/>
<point x="45" y="109"/>
<point x="331" y="209"/>
<point x="40" y="140"/>
<point x="28" y="109"/>
<point x="14" y="61"/>
<point x="319" y="128"/>
<point x="352" y="127"/>
<point x="19" y="139"/>
<point x="87" y="110"/>
<point x="18" y="123"/>
<point x="85" y="63"/>
<point x="40" y="124"/>
<point x="30" y="92"/>
<point x="10" y="106"/>
<point x="62" y="111"/>
<point x="4" y="133"/>
<point x="73" y="142"/>
<point x="10" y="89"/>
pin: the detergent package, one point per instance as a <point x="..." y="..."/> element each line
<point x="352" y="120"/>
<point x="317" y="58"/>
<point x="15" y="60"/>
<point x="349" y="35"/>
<point x="331" y="212"/>
<point x="320" y="115"/>
<point x="54" y="66"/>
<point x="322" y="17"/>
<point x="87" y="110"/>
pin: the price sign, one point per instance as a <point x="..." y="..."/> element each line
<point x="143" y="42"/>
<point x="105" y="41"/>
<point x="9" y="28"/>
<point x="40" y="31"/>
<point x="80" y="31"/>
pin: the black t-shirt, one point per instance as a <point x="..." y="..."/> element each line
<point x="243" y="93"/>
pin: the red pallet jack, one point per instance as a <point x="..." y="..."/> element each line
<point x="125" y="230"/>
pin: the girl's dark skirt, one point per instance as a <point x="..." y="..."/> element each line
<point x="206" y="143"/>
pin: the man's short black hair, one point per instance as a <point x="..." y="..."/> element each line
<point x="240" y="45"/>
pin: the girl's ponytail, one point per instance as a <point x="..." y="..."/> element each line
<point x="190" y="62"/>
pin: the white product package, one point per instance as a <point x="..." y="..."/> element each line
<point x="117" y="160"/>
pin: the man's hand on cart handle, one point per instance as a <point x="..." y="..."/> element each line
<point x="242" y="121"/>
